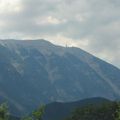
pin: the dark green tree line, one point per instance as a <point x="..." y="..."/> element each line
<point x="107" y="111"/>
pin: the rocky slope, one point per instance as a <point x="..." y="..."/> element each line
<point x="34" y="72"/>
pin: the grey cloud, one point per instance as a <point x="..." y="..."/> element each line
<point x="94" y="20"/>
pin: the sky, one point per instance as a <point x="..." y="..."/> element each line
<point x="92" y="25"/>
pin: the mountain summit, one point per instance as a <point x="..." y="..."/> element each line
<point x="34" y="72"/>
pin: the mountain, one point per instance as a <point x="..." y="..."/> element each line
<point x="60" y="111"/>
<point x="34" y="72"/>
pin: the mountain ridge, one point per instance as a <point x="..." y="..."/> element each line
<point x="33" y="73"/>
<point x="43" y="41"/>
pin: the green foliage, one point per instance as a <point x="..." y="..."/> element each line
<point x="36" y="115"/>
<point x="118" y="112"/>
<point x="27" y="118"/>
<point x="4" y="115"/>
<point x="105" y="111"/>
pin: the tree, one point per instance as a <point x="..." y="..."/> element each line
<point x="118" y="111"/>
<point x="4" y="114"/>
<point x="27" y="118"/>
<point x="37" y="114"/>
<point x="105" y="111"/>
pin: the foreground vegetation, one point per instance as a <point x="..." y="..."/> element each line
<point x="106" y="111"/>
<point x="36" y="114"/>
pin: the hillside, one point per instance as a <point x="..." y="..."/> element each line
<point x="105" y="111"/>
<point x="60" y="111"/>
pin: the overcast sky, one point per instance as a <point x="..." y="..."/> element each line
<point x="93" y="25"/>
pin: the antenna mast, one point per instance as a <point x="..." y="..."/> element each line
<point x="66" y="45"/>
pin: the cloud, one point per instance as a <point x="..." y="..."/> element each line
<point x="7" y="6"/>
<point x="49" y="20"/>
<point x="92" y="25"/>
